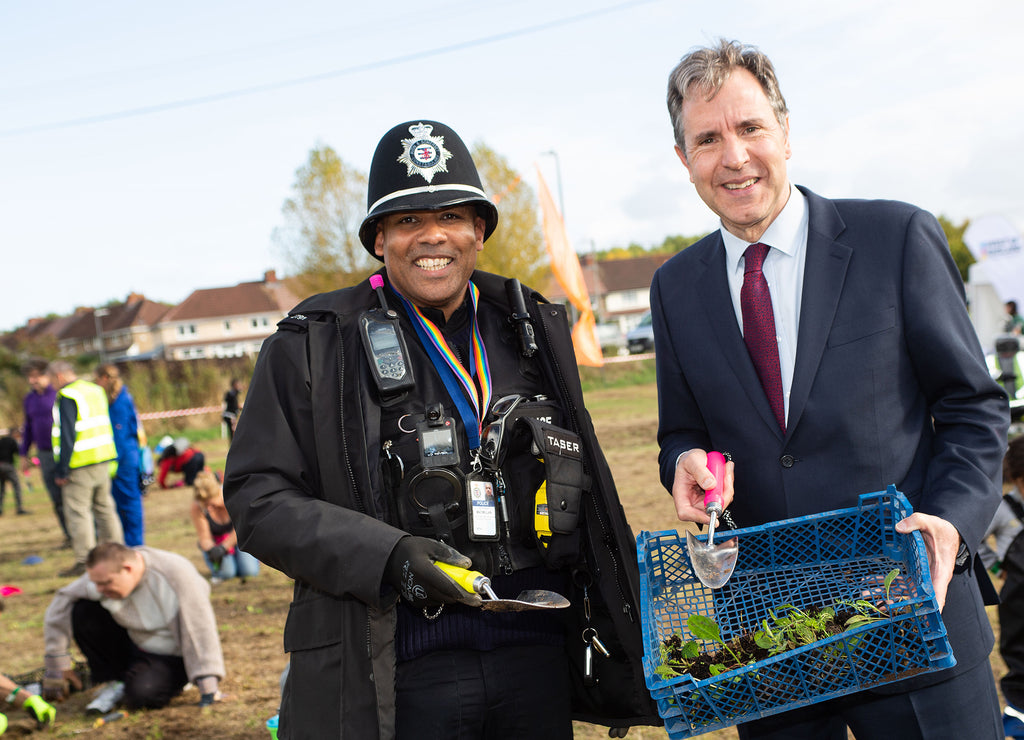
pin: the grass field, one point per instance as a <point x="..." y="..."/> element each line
<point x="251" y="616"/>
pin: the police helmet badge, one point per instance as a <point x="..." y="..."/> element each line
<point x="424" y="154"/>
<point x="431" y="150"/>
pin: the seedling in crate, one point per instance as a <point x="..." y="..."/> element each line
<point x="793" y="628"/>
<point x="786" y="628"/>
<point x="866" y="612"/>
<point x="705" y="628"/>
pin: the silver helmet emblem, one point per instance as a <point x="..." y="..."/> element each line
<point x="424" y="154"/>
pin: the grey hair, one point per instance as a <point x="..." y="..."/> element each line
<point x="60" y="366"/>
<point x="705" y="69"/>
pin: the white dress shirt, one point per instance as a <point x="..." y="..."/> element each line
<point x="784" y="271"/>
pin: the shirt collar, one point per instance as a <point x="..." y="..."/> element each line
<point x="459" y="319"/>
<point x="785" y="232"/>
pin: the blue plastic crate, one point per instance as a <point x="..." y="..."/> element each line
<point x="808" y="561"/>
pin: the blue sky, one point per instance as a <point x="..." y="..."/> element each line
<point x="149" y="147"/>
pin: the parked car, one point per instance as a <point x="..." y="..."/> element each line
<point x="640" y="338"/>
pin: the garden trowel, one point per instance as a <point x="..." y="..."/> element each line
<point x="476" y="582"/>
<point x="713" y="564"/>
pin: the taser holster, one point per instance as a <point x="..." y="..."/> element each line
<point x="561" y="452"/>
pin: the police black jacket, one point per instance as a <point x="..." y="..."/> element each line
<point x="303" y="486"/>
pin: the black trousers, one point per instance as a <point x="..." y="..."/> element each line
<point x="1011" y="624"/>
<point x="192" y="468"/>
<point x="9" y="473"/>
<point x="964" y="707"/>
<point x="505" y="694"/>
<point x="150" y="680"/>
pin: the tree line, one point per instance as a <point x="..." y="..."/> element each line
<point x="319" y="239"/>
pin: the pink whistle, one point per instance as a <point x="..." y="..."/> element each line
<point x="377" y="283"/>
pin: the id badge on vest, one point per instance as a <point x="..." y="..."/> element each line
<point x="481" y="503"/>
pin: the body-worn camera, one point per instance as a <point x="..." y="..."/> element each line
<point x="438" y="446"/>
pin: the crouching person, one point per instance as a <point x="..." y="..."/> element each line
<point x="142" y="618"/>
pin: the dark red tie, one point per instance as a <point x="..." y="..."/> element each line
<point x="759" y="328"/>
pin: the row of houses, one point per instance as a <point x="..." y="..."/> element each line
<point x="234" y="321"/>
<point x="619" y="289"/>
<point x="212" y="322"/>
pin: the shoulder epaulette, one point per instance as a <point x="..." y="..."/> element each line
<point x="300" y="321"/>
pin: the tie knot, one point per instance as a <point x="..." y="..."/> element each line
<point x="753" y="257"/>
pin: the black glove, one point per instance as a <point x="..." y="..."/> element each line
<point x="411" y="570"/>
<point x="216" y="554"/>
<point x="55" y="686"/>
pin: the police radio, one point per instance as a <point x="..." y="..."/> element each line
<point x="384" y="345"/>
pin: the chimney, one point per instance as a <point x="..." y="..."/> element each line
<point x="270" y="276"/>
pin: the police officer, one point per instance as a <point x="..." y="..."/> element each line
<point x="434" y="414"/>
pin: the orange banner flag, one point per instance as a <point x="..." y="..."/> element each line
<point x="565" y="264"/>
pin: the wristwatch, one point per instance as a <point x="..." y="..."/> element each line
<point x="963" y="557"/>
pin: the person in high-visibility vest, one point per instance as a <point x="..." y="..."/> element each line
<point x="86" y="459"/>
<point x="1001" y="373"/>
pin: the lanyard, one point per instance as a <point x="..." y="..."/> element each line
<point x="471" y="402"/>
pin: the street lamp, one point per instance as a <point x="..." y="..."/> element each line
<point x="98" y="314"/>
<point x="558" y="173"/>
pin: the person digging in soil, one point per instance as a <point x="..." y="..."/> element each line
<point x="142" y="618"/>
<point x="18" y="696"/>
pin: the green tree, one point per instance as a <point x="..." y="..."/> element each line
<point x="320" y="237"/>
<point x="677" y="243"/>
<point x="516" y="248"/>
<point x="961" y="254"/>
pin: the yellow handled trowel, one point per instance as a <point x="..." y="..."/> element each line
<point x="477" y="583"/>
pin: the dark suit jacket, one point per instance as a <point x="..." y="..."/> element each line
<point x="890" y="385"/>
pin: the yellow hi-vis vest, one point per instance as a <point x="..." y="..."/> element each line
<point x="94" y="437"/>
<point x="996" y="372"/>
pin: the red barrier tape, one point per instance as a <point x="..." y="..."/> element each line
<point x="179" y="412"/>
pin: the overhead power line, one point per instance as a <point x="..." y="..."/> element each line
<point x="310" y="79"/>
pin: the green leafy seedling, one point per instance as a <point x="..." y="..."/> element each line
<point x="705" y="628"/>
<point x="891" y="576"/>
<point x="681" y="652"/>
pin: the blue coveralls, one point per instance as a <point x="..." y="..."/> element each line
<point x="125" y="487"/>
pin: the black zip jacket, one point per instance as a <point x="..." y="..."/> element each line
<point x="303" y="487"/>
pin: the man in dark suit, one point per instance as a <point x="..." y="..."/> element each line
<point x="834" y="358"/>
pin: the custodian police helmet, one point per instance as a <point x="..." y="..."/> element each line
<point x="422" y="166"/>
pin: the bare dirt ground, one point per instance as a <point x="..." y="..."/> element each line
<point x="251" y="615"/>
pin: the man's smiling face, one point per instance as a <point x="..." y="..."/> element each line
<point x="736" y="152"/>
<point x="430" y="255"/>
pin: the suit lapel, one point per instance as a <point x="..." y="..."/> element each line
<point x="824" y="274"/>
<point x="713" y="289"/>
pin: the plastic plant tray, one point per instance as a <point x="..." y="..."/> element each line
<point x="807" y="561"/>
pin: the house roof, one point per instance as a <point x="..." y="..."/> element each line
<point x="630" y="274"/>
<point x="609" y="276"/>
<point x="38" y="328"/>
<point x="136" y="311"/>
<point x="267" y="296"/>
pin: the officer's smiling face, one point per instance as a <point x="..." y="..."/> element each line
<point x="430" y="255"/>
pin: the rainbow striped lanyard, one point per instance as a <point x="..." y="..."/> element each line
<point x="471" y="398"/>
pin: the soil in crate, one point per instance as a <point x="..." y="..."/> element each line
<point x="815" y="623"/>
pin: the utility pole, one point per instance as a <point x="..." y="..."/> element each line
<point x="98" y="314"/>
